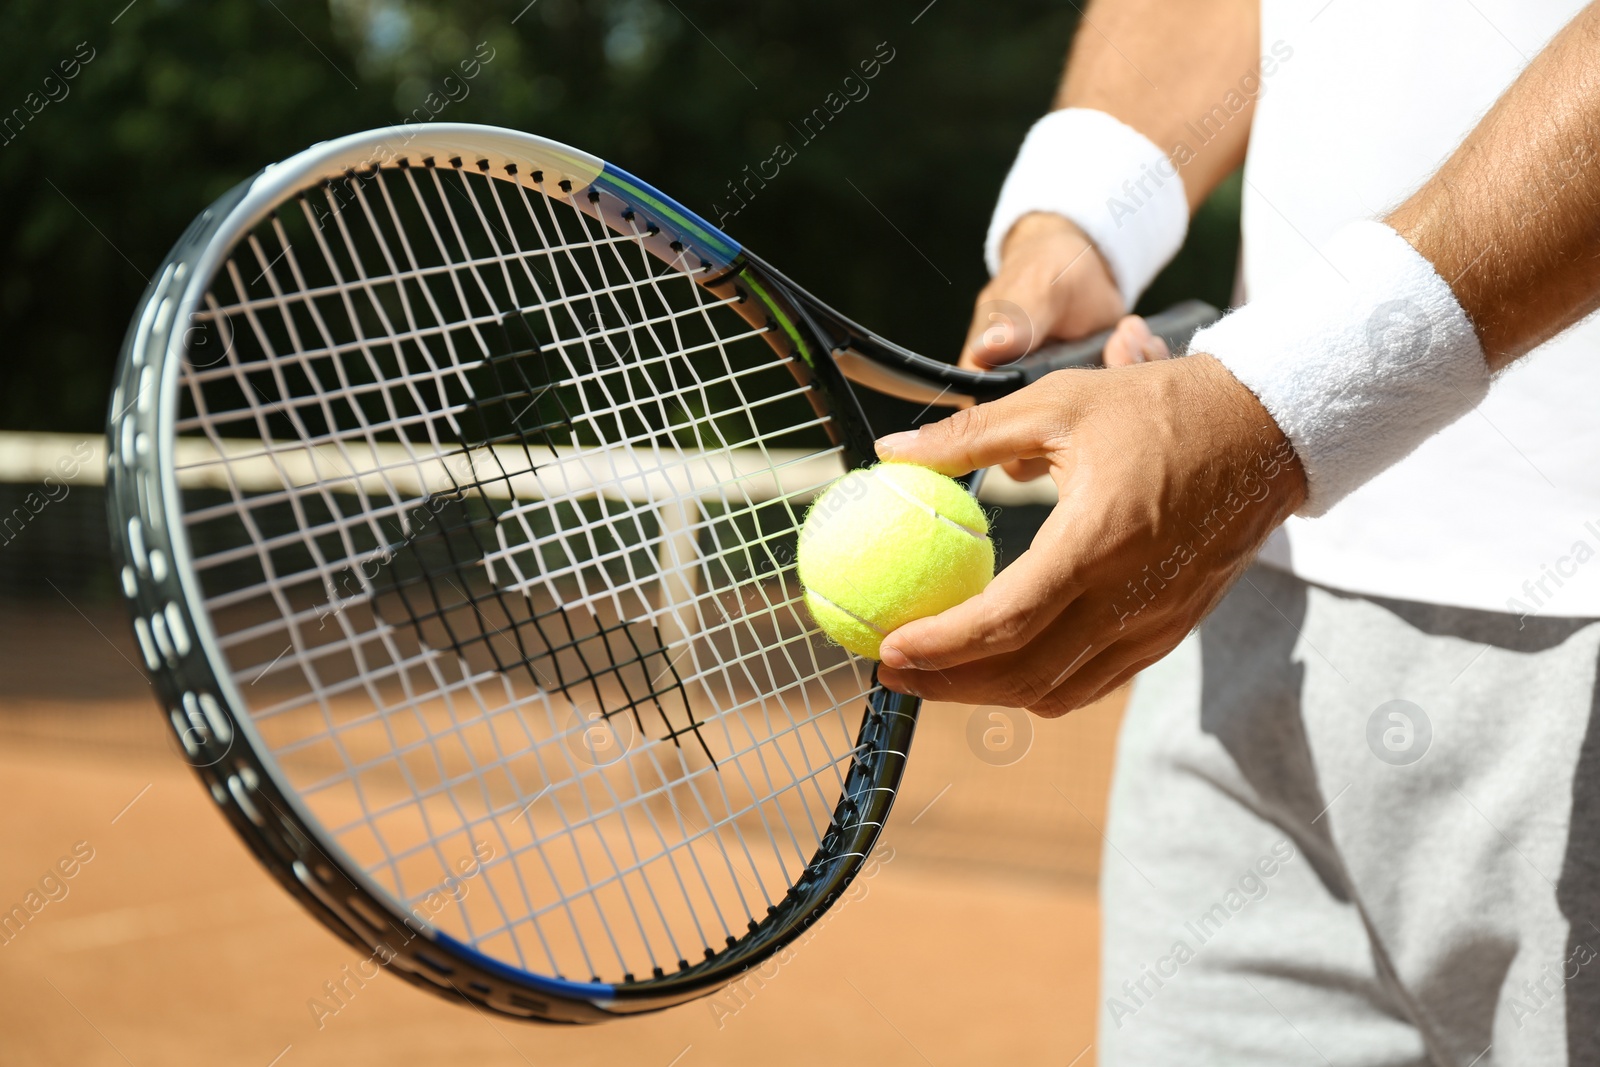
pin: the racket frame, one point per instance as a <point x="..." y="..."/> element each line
<point x="208" y="714"/>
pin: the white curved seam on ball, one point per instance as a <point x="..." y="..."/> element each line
<point x="930" y="509"/>
<point x="847" y="611"/>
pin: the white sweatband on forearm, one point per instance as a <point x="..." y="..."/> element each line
<point x="1359" y="358"/>
<point x="1110" y="180"/>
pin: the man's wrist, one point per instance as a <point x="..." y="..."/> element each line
<point x="1037" y="224"/>
<point x="1359" y="358"/>
<point x="1259" y="448"/>
<point x="1108" y="180"/>
<point x="1038" y="227"/>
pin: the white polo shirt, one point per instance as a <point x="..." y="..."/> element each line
<point x="1501" y="510"/>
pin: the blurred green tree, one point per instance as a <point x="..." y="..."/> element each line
<point x="882" y="212"/>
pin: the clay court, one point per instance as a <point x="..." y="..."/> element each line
<point x="971" y="940"/>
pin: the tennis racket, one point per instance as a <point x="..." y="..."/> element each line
<point x="454" y="481"/>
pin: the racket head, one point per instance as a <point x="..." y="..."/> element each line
<point x="286" y="753"/>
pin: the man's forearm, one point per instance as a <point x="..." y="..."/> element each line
<point x="1512" y="219"/>
<point x="1161" y="67"/>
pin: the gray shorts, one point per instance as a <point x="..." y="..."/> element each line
<point x="1350" y="831"/>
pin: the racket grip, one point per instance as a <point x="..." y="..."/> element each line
<point x="1175" y="326"/>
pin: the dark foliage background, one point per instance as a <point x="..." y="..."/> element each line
<point x="882" y="214"/>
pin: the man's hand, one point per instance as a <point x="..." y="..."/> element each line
<point x="1170" y="476"/>
<point x="1052" y="286"/>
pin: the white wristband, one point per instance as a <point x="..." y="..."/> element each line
<point x="1110" y="180"/>
<point x="1359" y="358"/>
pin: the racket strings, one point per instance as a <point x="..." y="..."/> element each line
<point x="633" y="905"/>
<point x="700" y="303"/>
<point x="405" y="470"/>
<point x="654" y="278"/>
<point x="602" y="651"/>
<point x="619" y="473"/>
<point x="383" y="554"/>
<point x="609" y="291"/>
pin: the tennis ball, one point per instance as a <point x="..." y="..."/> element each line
<point x="889" y="544"/>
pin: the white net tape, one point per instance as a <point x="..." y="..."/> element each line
<point x="494" y="514"/>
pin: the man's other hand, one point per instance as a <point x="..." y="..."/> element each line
<point x="1170" y="475"/>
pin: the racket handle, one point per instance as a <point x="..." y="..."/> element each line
<point x="1175" y="326"/>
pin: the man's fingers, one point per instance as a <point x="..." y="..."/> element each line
<point x="1084" y="669"/>
<point x="1106" y="672"/>
<point x="1123" y="673"/>
<point x="1155" y="348"/>
<point x="1019" y="604"/>
<point x="1001" y="619"/>
<point x="1132" y="342"/>
<point x="992" y="343"/>
<point x="1126" y="345"/>
<point x="1026" y="470"/>
<point x="1021" y="426"/>
<point x="1004" y="328"/>
<point x="1019" y="677"/>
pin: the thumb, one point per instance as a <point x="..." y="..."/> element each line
<point x="1024" y="425"/>
<point x="1004" y="329"/>
<point x="1022" y="600"/>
